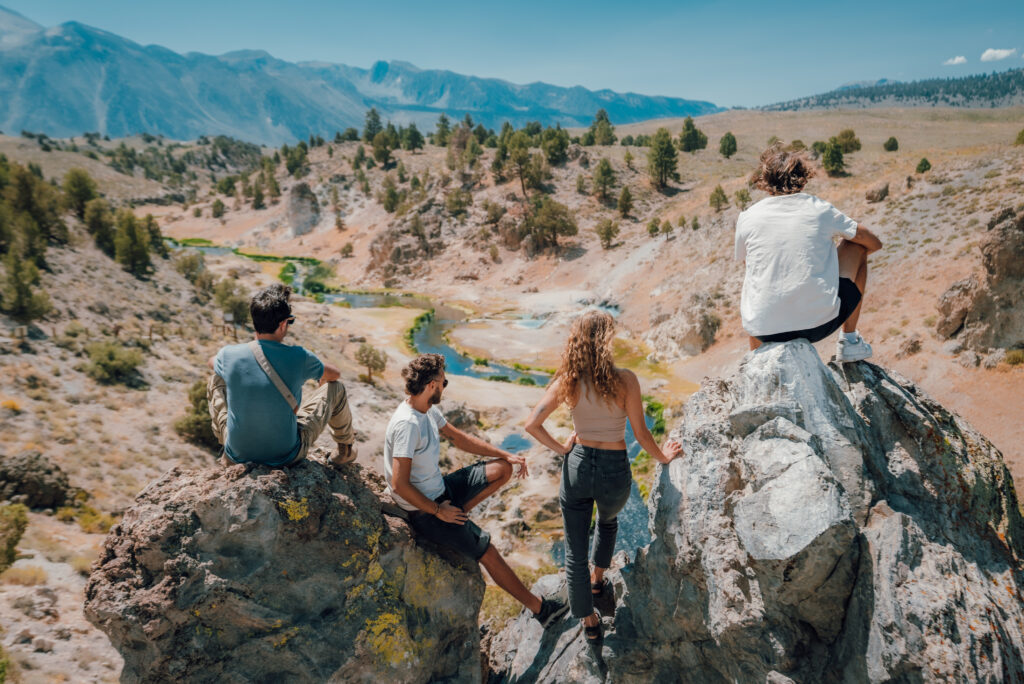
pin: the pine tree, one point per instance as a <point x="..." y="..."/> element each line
<point x="382" y="148"/>
<point x="217" y="208"/>
<point x="131" y="244"/>
<point x="692" y="138"/>
<point x="718" y="200"/>
<point x="79" y="189"/>
<point x="625" y="204"/>
<point x="727" y="145"/>
<point x="99" y="221"/>
<point x="372" y="125"/>
<point x="653" y="227"/>
<point x="607" y="230"/>
<point x="257" y="197"/>
<point x="662" y="159"/>
<point x="519" y="157"/>
<point x="548" y="220"/>
<point x="18" y="299"/>
<point x="666" y="227"/>
<point x="604" y="179"/>
<point x="581" y="184"/>
<point x="151" y="229"/>
<point x="628" y="158"/>
<point x="442" y="131"/>
<point x="742" y="197"/>
<point x="601" y="130"/>
<point x="412" y="139"/>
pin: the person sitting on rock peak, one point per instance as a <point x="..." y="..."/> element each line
<point x="798" y="282"/>
<point x="438" y="505"/>
<point x="595" y="468"/>
<point x="255" y="392"/>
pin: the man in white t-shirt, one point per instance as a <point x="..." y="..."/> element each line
<point x="799" y="283"/>
<point x="438" y="504"/>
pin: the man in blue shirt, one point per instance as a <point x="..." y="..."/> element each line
<point x="252" y="417"/>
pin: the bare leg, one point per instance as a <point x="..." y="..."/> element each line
<point x="853" y="264"/>
<point x="754" y="343"/>
<point x="498" y="473"/>
<point x="505" y="578"/>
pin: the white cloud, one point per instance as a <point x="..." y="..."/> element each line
<point x="953" y="61"/>
<point x="994" y="55"/>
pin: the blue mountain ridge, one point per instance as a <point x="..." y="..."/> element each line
<point x="74" y="78"/>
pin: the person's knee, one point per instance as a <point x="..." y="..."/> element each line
<point x="503" y="472"/>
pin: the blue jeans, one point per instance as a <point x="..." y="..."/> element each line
<point x="591" y="476"/>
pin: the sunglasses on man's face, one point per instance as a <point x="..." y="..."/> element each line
<point x="445" y="383"/>
<point x="290" y="320"/>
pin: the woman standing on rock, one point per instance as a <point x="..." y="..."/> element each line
<point x="596" y="469"/>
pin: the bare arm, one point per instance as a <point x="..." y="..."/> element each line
<point x="866" y="239"/>
<point x="535" y="423"/>
<point x="635" y="413"/>
<point x="475" y="445"/>
<point x="404" y="488"/>
<point x="331" y="373"/>
<point x="210" y="362"/>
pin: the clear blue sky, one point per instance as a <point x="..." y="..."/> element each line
<point x="731" y="53"/>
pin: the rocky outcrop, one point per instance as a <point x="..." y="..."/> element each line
<point x="31" y="479"/>
<point x="988" y="312"/>
<point x="407" y="248"/>
<point x="303" y="211"/>
<point x="877" y="193"/>
<point x="687" y="332"/>
<point x="252" y="574"/>
<point x="827" y="524"/>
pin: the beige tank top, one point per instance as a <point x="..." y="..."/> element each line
<point x="596" y="420"/>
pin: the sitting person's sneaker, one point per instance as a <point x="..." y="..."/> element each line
<point x="550" y="610"/>
<point x="855" y="349"/>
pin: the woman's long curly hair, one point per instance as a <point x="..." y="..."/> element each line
<point x="588" y="357"/>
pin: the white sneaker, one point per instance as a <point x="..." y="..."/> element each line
<point x="858" y="350"/>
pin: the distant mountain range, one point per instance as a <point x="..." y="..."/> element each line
<point x="983" y="90"/>
<point x="72" y="78"/>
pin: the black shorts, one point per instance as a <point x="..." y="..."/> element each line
<point x="849" y="298"/>
<point x="460" y="487"/>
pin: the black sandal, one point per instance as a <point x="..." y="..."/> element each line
<point x="594" y="635"/>
<point x="598" y="589"/>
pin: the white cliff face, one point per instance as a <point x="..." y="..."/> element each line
<point x="826" y="524"/>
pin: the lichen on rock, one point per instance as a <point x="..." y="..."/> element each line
<point x="247" y="574"/>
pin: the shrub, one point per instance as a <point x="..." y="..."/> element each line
<point x="742" y="197"/>
<point x="1015" y="357"/>
<point x="891" y="145"/>
<point x="653" y="226"/>
<point x="19" y="299"/>
<point x="112" y="363"/>
<point x="604" y="178"/>
<point x="195" y="426"/>
<point x="457" y="201"/>
<point x="217" y="210"/>
<point x="924" y="165"/>
<point x="1020" y="138"/>
<point x="230" y="299"/>
<point x="28" y="575"/>
<point x="832" y="158"/>
<point x="848" y="141"/>
<point x="79" y="189"/>
<point x="666" y="227"/>
<point x="13" y="521"/>
<point x="88" y="518"/>
<point x="346" y="250"/>
<point x="374" y="360"/>
<point x="99" y="221"/>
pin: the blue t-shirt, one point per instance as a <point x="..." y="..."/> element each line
<point x="261" y="425"/>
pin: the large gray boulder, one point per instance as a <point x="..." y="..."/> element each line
<point x="258" y="575"/>
<point x="30" y="478"/>
<point x="827" y="524"/>
<point x="988" y="312"/>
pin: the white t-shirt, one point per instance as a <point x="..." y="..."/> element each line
<point x="792" y="272"/>
<point x="415" y="435"/>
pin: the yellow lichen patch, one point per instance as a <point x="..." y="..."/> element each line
<point x="423" y="582"/>
<point x="295" y="510"/>
<point x="285" y="636"/>
<point x="389" y="640"/>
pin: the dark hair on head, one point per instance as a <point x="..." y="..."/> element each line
<point x="782" y="171"/>
<point x="421" y="371"/>
<point x="269" y="306"/>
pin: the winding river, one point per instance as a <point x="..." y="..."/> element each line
<point x="432" y="337"/>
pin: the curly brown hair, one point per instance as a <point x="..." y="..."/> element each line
<point x="421" y="371"/>
<point x="782" y="171"/>
<point x="588" y="357"/>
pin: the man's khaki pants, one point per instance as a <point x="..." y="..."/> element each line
<point x="328" y="405"/>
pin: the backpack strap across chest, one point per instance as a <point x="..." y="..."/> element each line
<point x="264" y="363"/>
